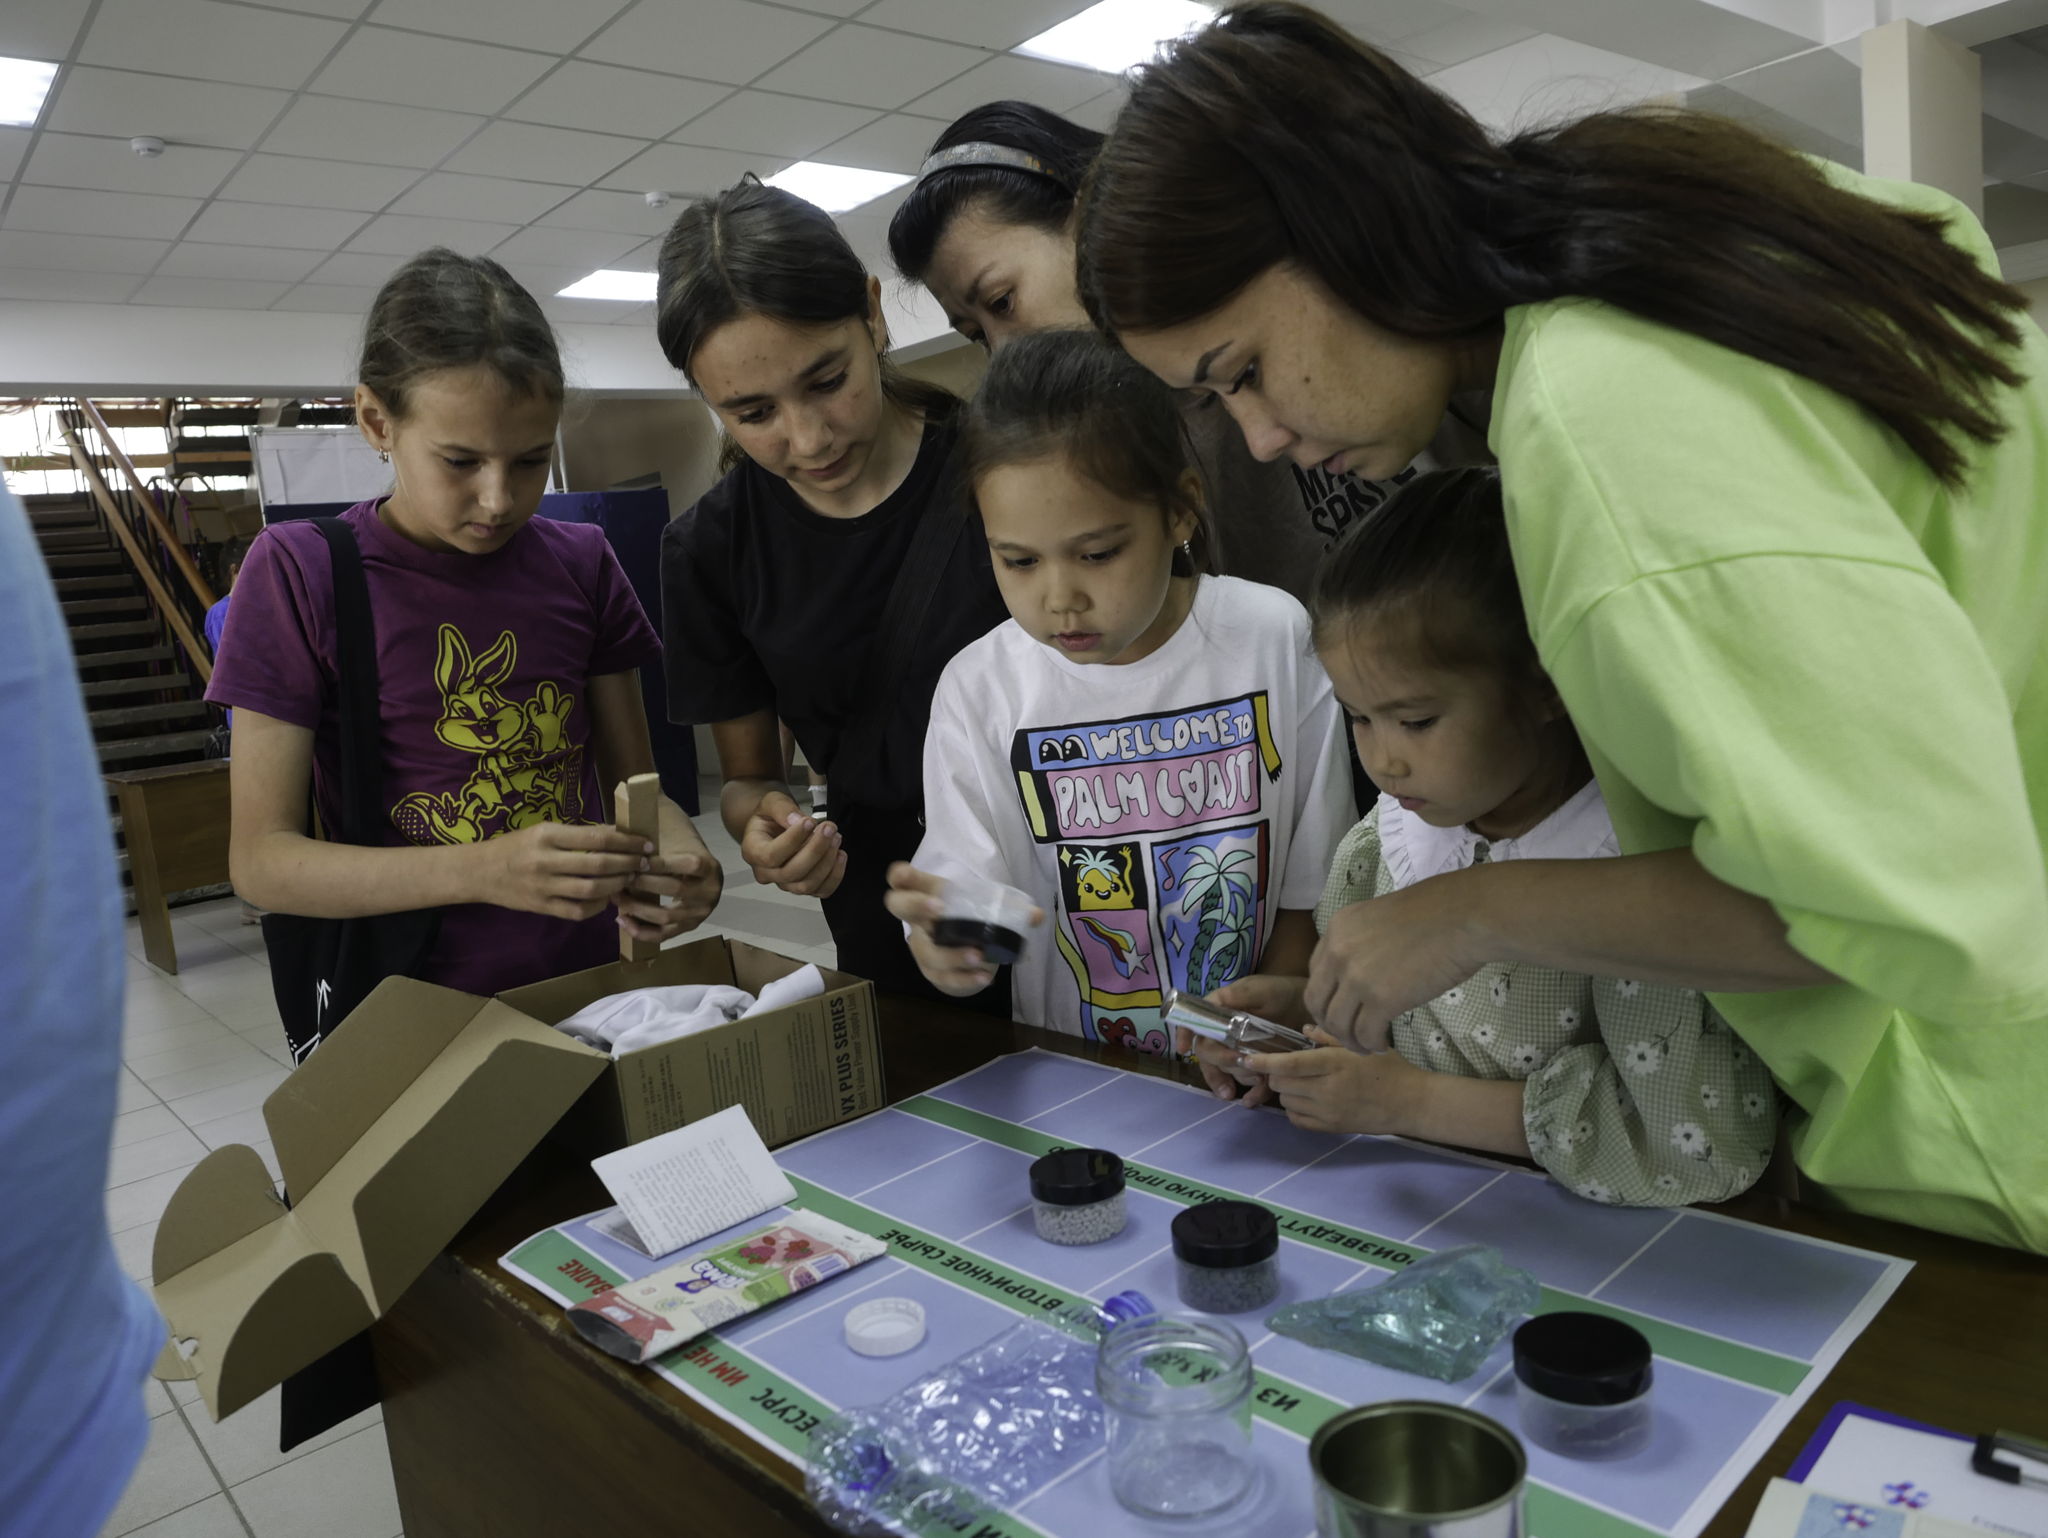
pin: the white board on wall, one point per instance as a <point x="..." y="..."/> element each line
<point x="316" y="464"/>
<point x="327" y="464"/>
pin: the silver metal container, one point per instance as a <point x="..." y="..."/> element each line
<point x="1409" y="1468"/>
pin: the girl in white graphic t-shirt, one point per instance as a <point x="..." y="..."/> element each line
<point x="1152" y="754"/>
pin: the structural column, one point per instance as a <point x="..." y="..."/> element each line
<point x="1923" y="111"/>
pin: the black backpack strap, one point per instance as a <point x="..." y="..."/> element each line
<point x="355" y="658"/>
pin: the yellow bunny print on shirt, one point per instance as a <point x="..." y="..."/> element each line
<point x="526" y="770"/>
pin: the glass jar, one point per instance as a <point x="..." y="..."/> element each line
<point x="1177" y="1402"/>
<point x="1077" y="1195"/>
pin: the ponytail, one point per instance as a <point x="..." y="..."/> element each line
<point x="1222" y="163"/>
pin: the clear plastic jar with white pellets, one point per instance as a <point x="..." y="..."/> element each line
<point x="1227" y="1254"/>
<point x="1077" y="1195"/>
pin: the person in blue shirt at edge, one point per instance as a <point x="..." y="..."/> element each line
<point x="76" y="1336"/>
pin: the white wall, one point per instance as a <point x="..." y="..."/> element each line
<point x="122" y="349"/>
<point x="2037" y="300"/>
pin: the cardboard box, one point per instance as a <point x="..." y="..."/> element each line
<point x="390" y="1137"/>
<point x="797" y="1070"/>
<point x="400" y="1127"/>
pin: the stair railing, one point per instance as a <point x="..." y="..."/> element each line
<point x="196" y="652"/>
<point x="152" y="512"/>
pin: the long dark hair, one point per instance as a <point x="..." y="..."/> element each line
<point x="1436" y="552"/>
<point x="757" y="250"/>
<point x="1275" y="136"/>
<point x="1075" y="395"/>
<point x="1008" y="194"/>
<point x="443" y="310"/>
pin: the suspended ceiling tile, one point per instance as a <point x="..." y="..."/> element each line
<point x="404" y="234"/>
<point x="730" y="40"/>
<point x="62" y="211"/>
<point x="1461" y="38"/>
<point x="40" y="29"/>
<point x="404" y="67"/>
<point x="126" y="103"/>
<point x="209" y="41"/>
<point x="540" y="279"/>
<point x="449" y="194"/>
<point x="1056" y="87"/>
<point x="274" y="224"/>
<point x="607" y="99"/>
<point x="871" y="68"/>
<point x="79" y="253"/>
<point x="764" y="122"/>
<point x="13" y="146"/>
<point x="594" y="312"/>
<point x="625" y="212"/>
<point x="1382" y="22"/>
<point x="1819" y="88"/>
<point x="328" y="299"/>
<point x="265" y="264"/>
<point x="103" y="287"/>
<point x="897" y="142"/>
<point x="210" y="293"/>
<point x="317" y="183"/>
<point x="340" y="10"/>
<point x="529" y="152"/>
<point x="982" y="26"/>
<point x="357" y="269"/>
<point x="77" y="160"/>
<point x="582" y="250"/>
<point x="1100" y="113"/>
<point x="681" y="168"/>
<point x="328" y="128"/>
<point x="546" y="25"/>
<point x="1546" y="79"/>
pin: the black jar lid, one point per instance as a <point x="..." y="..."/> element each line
<point x="1074" y="1177"/>
<point x="1578" y="1358"/>
<point x="1225" y="1234"/>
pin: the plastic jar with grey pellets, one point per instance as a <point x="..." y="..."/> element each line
<point x="1227" y="1253"/>
<point x="1077" y="1195"/>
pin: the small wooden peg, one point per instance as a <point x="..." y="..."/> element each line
<point x="637" y="807"/>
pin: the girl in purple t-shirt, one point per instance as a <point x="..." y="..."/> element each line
<point x="506" y="656"/>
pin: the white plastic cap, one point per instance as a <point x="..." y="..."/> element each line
<point x="885" y="1326"/>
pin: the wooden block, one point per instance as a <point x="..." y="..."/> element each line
<point x="637" y="808"/>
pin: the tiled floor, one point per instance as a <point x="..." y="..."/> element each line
<point x="202" y="1050"/>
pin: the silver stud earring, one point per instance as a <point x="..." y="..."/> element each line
<point x="385" y="455"/>
<point x="1187" y="548"/>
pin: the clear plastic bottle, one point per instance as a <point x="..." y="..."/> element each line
<point x="982" y="1432"/>
<point x="1177" y="1395"/>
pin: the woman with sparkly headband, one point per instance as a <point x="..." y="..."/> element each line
<point x="989" y="230"/>
<point x="1773" y="440"/>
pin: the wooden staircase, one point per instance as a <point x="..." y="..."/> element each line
<point x="143" y="704"/>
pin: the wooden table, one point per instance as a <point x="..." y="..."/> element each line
<point x="174" y="819"/>
<point x="501" y="1421"/>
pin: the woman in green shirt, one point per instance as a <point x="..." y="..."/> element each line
<point x="1774" y="442"/>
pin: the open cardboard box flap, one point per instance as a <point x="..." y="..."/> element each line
<point x="391" y="1136"/>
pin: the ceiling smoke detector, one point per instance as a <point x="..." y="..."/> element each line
<point x="657" y="200"/>
<point x="148" y="146"/>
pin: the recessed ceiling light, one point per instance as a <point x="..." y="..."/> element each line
<point x="835" y="188"/>
<point x="24" y="83"/>
<point x="612" y="283"/>
<point x="1116" y="34"/>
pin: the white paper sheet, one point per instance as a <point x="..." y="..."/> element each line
<point x="694" y="1181"/>
<point x="1900" y="1468"/>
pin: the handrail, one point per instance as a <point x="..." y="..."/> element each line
<point x="195" y="649"/>
<point x="180" y="556"/>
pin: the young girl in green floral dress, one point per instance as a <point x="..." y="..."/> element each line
<point x="1624" y="1091"/>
